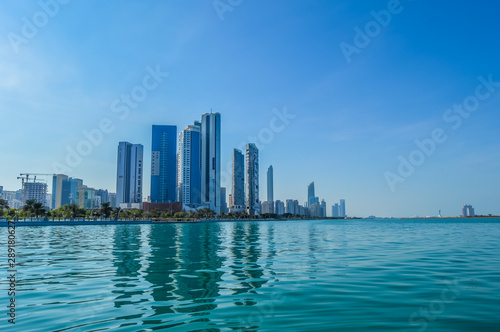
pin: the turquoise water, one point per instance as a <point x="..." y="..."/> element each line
<point x="258" y="276"/>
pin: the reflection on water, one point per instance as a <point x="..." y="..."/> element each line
<point x="257" y="276"/>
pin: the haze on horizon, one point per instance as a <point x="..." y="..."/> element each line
<point x="364" y="91"/>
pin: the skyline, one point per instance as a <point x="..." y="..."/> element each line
<point x="348" y="122"/>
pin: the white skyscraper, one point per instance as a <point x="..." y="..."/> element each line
<point x="129" y="173"/>
<point x="189" y="167"/>
<point x="252" y="179"/>
<point x="210" y="161"/>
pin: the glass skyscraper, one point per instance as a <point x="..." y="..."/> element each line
<point x="252" y="175"/>
<point x="238" y="189"/>
<point x="163" y="164"/>
<point x="270" y="189"/>
<point x="210" y="161"/>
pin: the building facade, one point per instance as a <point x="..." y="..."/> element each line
<point x="210" y="161"/>
<point x="252" y="179"/>
<point x="189" y="166"/>
<point x="238" y="183"/>
<point x="57" y="190"/>
<point x="129" y="179"/>
<point x="36" y="191"/>
<point x="163" y="164"/>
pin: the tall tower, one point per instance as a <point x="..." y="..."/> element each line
<point x="163" y="164"/>
<point x="210" y="161"/>
<point x="189" y="166"/>
<point x="270" y="189"/>
<point x="342" y="213"/>
<point x="252" y="175"/>
<point x="238" y="189"/>
<point x="129" y="173"/>
<point x="57" y="188"/>
<point x="310" y="194"/>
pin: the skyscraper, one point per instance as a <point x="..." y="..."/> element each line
<point x="223" y="202"/>
<point x="69" y="190"/>
<point x="210" y="161"/>
<point x="252" y="178"/>
<point x="129" y="178"/>
<point x="270" y="189"/>
<point x="467" y="211"/>
<point x="238" y="190"/>
<point x="57" y="190"/>
<point x="342" y="212"/>
<point x="163" y="164"/>
<point x="189" y="166"/>
<point x="310" y="194"/>
<point x="335" y="210"/>
<point x="323" y="208"/>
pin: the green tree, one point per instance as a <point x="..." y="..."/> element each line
<point x="38" y="209"/>
<point x="4" y="204"/>
<point x="106" y="210"/>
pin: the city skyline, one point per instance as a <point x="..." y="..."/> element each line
<point x="313" y="115"/>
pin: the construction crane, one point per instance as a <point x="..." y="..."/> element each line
<point x="25" y="177"/>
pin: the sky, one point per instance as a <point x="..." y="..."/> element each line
<point x="390" y="105"/>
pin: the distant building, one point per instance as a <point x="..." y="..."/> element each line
<point x="270" y="189"/>
<point x="163" y="165"/>
<point x="210" y="160"/>
<point x="36" y="191"/>
<point x="279" y="207"/>
<point x="252" y="179"/>
<point x="189" y="166"/>
<point x="69" y="190"/>
<point x="310" y="194"/>
<point x="267" y="207"/>
<point x="342" y="212"/>
<point x="87" y="198"/>
<point x="468" y="211"/>
<point x="323" y="208"/>
<point x="129" y="179"/>
<point x="223" y="202"/>
<point x="103" y="196"/>
<point x="290" y="206"/>
<point x="335" y="210"/>
<point x="57" y="190"/>
<point x="238" y="185"/>
<point x="112" y="199"/>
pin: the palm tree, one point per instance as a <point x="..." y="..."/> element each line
<point x="106" y="210"/>
<point x="72" y="209"/>
<point x="28" y="206"/>
<point x="38" y="209"/>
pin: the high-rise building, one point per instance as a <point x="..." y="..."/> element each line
<point x="342" y="212"/>
<point x="69" y="190"/>
<point x="86" y="198"/>
<point x="163" y="164"/>
<point x="36" y="191"/>
<point x="189" y="166"/>
<point x="210" y="160"/>
<point x="267" y="207"/>
<point x="112" y="199"/>
<point x="270" y="189"/>
<point x="310" y="194"/>
<point x="323" y="208"/>
<point x="238" y="189"/>
<point x="467" y="211"/>
<point x="57" y="190"/>
<point x="129" y="178"/>
<point x="223" y="202"/>
<point x="335" y="210"/>
<point x="279" y="207"/>
<point x="252" y="179"/>
<point x="290" y="207"/>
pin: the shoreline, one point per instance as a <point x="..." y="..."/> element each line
<point x="80" y="222"/>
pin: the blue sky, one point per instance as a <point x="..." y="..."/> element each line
<point x="352" y="120"/>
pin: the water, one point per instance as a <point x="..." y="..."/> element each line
<point x="258" y="276"/>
